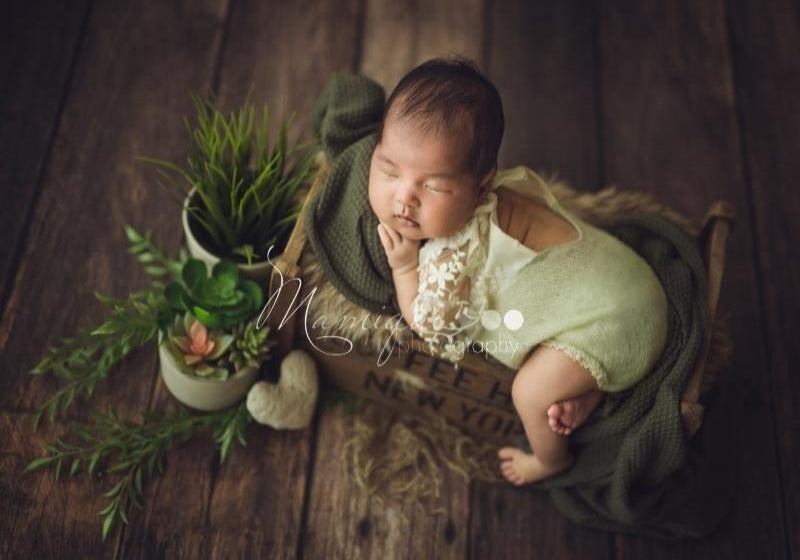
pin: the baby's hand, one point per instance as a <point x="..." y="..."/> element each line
<point x="401" y="252"/>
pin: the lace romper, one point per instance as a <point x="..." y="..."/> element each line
<point x="593" y="298"/>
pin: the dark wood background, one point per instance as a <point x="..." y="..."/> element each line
<point x="691" y="100"/>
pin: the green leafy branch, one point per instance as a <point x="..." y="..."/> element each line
<point x="136" y="451"/>
<point x="85" y="359"/>
<point x="156" y="263"/>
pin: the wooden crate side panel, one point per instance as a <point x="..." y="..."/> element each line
<point x="407" y="385"/>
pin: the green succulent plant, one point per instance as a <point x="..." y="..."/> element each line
<point x="250" y="346"/>
<point x="246" y="193"/>
<point x="198" y="348"/>
<point x="222" y="300"/>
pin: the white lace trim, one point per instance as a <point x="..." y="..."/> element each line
<point x="579" y="357"/>
<point x="453" y="287"/>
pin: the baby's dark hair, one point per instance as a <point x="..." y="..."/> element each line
<point x="438" y="93"/>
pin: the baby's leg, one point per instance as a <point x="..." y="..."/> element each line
<point x="546" y="377"/>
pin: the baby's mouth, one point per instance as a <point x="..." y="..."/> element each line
<point x="405" y="221"/>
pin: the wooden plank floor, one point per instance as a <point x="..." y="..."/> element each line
<point x="692" y="101"/>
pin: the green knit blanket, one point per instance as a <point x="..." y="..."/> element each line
<point x="635" y="471"/>
<point x="341" y="227"/>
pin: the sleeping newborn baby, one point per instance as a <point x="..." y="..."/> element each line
<point x="491" y="257"/>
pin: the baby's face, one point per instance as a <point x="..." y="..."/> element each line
<point x="423" y="177"/>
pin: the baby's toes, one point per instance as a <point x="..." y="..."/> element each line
<point x="558" y="427"/>
<point x="568" y="412"/>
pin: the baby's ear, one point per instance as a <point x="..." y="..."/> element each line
<point x="486" y="182"/>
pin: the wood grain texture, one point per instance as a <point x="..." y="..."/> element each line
<point x="765" y="45"/>
<point x="42" y="517"/>
<point x="134" y="68"/>
<point x="400" y="35"/>
<point x="38" y="49"/>
<point x="285" y="52"/>
<point x="541" y="59"/>
<point x="670" y="128"/>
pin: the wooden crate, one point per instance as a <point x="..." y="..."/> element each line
<point x="475" y="395"/>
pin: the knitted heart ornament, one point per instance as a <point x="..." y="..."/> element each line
<point x="289" y="404"/>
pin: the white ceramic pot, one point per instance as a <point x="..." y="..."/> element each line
<point x="203" y="394"/>
<point x="258" y="271"/>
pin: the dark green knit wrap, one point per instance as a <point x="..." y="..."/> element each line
<point x="340" y="224"/>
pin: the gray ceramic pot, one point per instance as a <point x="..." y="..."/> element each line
<point x="200" y="393"/>
<point x="258" y="271"/>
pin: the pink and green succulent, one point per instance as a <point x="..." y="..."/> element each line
<point x="199" y="348"/>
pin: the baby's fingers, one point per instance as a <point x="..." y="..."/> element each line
<point x="393" y="234"/>
<point x="386" y="239"/>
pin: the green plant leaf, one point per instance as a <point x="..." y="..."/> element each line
<point x="37" y="464"/>
<point x="108" y="522"/>
<point x="105" y="328"/>
<point x="227" y="270"/>
<point x="174" y="294"/>
<point x="208" y="318"/>
<point x="254" y="293"/>
<point x="194" y="273"/>
<point x="132" y="235"/>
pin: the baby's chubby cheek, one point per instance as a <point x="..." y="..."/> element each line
<point x="376" y="203"/>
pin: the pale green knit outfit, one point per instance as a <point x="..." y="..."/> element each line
<point x="593" y="298"/>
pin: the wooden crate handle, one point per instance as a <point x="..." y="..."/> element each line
<point x="717" y="225"/>
<point x="287" y="266"/>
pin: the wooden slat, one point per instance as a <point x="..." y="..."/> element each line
<point x="670" y="128"/>
<point x="127" y="93"/>
<point x="93" y="186"/>
<point x="542" y="61"/>
<point x="42" y="518"/>
<point x="400" y="35"/>
<point x="286" y="54"/>
<point x="251" y="507"/>
<point x="396" y="37"/>
<point x="766" y="43"/>
<point x="39" y="40"/>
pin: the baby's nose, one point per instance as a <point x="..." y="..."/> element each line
<point x="405" y="196"/>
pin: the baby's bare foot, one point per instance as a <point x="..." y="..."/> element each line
<point x="522" y="468"/>
<point x="565" y="416"/>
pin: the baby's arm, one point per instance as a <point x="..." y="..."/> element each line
<point x="403" y="256"/>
